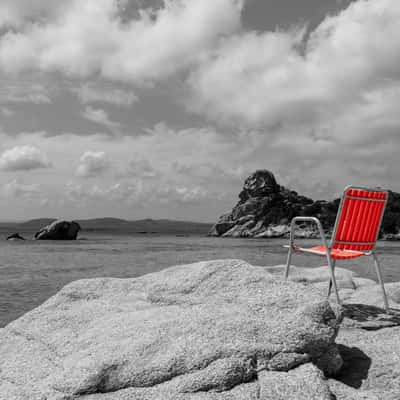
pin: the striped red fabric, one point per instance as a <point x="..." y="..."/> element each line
<point x="336" y="254"/>
<point x="359" y="219"/>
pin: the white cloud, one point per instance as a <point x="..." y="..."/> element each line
<point x="138" y="193"/>
<point x="15" y="189"/>
<point x="266" y="79"/>
<point x="23" y="158"/>
<point x="193" y="194"/>
<point x="249" y="77"/>
<point x="35" y="98"/>
<point x="92" y="163"/>
<point x="127" y="192"/>
<point x="141" y="168"/>
<point x="20" y="91"/>
<point x="90" y="94"/>
<point x="202" y="171"/>
<point x="100" y="117"/>
<point x="81" y="38"/>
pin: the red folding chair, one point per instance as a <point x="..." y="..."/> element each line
<point x="354" y="235"/>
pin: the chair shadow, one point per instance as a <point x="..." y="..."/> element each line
<point x="371" y="317"/>
<point x="355" y="368"/>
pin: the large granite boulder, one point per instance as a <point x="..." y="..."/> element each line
<point x="59" y="230"/>
<point x="213" y="330"/>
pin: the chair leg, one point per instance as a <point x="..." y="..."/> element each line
<point x="289" y="259"/>
<point x="379" y="273"/>
<point x="331" y="264"/>
<point x="330" y="280"/>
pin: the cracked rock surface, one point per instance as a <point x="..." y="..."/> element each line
<point x="369" y="338"/>
<point x="211" y="330"/>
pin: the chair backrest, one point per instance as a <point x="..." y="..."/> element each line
<point x="359" y="219"/>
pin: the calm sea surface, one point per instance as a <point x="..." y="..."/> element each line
<point x="33" y="271"/>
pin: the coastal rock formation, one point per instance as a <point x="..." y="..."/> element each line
<point x="213" y="330"/>
<point x="59" y="230"/>
<point x="266" y="208"/>
<point x="15" y="236"/>
<point x="368" y="339"/>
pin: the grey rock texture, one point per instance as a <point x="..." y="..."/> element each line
<point x="368" y="338"/>
<point x="59" y="230"/>
<point x="370" y="346"/>
<point x="212" y="330"/>
<point x="266" y="208"/>
<point x="303" y="383"/>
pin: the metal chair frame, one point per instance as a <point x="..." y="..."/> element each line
<point x="329" y="245"/>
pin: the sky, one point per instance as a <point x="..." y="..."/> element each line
<point x="161" y="108"/>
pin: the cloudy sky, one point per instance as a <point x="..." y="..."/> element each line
<point x="160" y="108"/>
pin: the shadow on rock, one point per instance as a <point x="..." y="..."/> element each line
<point x="355" y="368"/>
<point x="370" y="317"/>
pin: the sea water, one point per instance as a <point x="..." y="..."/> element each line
<point x="32" y="271"/>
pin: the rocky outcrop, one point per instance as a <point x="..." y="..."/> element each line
<point x="368" y="340"/>
<point x="391" y="236"/>
<point x="15" y="236"/>
<point x="214" y="330"/>
<point x="266" y="208"/>
<point x="59" y="230"/>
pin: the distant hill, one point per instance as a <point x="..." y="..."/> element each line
<point x="114" y="225"/>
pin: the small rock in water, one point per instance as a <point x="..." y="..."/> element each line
<point x="15" y="236"/>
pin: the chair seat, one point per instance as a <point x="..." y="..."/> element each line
<point x="336" y="254"/>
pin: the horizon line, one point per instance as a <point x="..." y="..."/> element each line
<point x="100" y="218"/>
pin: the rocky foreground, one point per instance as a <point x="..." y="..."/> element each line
<point x="368" y="339"/>
<point x="214" y="330"/>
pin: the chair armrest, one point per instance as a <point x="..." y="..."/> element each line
<point x="308" y="219"/>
